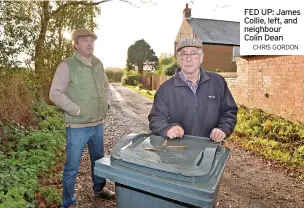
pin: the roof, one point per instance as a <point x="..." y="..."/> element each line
<point x="216" y="31"/>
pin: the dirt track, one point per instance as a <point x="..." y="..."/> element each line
<point x="248" y="182"/>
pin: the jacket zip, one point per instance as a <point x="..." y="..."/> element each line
<point x="196" y="110"/>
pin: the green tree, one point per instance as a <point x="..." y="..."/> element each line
<point x="165" y="59"/>
<point x="140" y="56"/>
<point x="166" y="64"/>
<point x="18" y="31"/>
<point x="35" y="28"/>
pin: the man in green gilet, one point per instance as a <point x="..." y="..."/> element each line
<point x="80" y="89"/>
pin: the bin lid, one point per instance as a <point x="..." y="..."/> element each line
<point x="187" y="159"/>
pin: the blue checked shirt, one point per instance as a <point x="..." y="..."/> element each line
<point x="192" y="86"/>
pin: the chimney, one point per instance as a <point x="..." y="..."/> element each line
<point x="187" y="12"/>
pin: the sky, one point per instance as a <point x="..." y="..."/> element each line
<point x="121" y="24"/>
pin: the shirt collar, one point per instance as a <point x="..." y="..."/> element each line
<point x="185" y="78"/>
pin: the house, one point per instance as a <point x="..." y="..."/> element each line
<point x="221" y="40"/>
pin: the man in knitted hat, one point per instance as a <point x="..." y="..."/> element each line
<point x="80" y="89"/>
<point x="193" y="102"/>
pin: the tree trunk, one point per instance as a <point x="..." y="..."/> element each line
<point x="61" y="39"/>
<point x="39" y="44"/>
<point x="141" y="69"/>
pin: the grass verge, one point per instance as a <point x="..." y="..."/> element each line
<point x="147" y="93"/>
<point x="275" y="138"/>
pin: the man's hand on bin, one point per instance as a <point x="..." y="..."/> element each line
<point x="217" y="135"/>
<point x="175" y="132"/>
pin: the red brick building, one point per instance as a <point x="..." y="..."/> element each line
<point x="221" y="40"/>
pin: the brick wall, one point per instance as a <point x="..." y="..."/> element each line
<point x="231" y="79"/>
<point x="281" y="77"/>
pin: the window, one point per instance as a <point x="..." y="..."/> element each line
<point x="235" y="52"/>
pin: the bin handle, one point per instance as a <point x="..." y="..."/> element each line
<point x="206" y="157"/>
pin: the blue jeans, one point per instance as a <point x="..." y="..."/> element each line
<point x="76" y="141"/>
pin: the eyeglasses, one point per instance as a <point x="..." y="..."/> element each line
<point x="193" y="55"/>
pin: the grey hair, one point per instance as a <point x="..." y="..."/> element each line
<point x="200" y="50"/>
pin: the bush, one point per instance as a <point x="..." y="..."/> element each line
<point x="165" y="59"/>
<point x="18" y="91"/>
<point x="130" y="78"/>
<point x="139" y="86"/>
<point x="166" y="65"/>
<point x="34" y="154"/>
<point x="160" y="70"/>
<point x="114" y="75"/>
<point x="271" y="136"/>
<point x="169" y="69"/>
<point x="257" y="123"/>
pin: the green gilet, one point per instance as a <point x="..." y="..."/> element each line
<point x="87" y="89"/>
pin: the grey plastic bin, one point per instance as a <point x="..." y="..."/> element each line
<point x="151" y="171"/>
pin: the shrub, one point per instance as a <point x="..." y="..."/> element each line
<point x="160" y="70"/>
<point x="169" y="69"/>
<point x="114" y="75"/>
<point x="165" y="59"/>
<point x="130" y="78"/>
<point x="35" y="154"/>
<point x="166" y="65"/>
<point x="139" y="86"/>
<point x="257" y="123"/>
<point x="271" y="136"/>
<point x="17" y="96"/>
